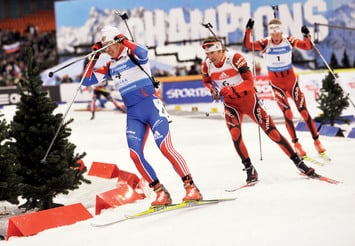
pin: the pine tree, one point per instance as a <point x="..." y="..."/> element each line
<point x="331" y="100"/>
<point x="10" y="182"/>
<point x="333" y="61"/>
<point x="345" y="60"/>
<point x="33" y="127"/>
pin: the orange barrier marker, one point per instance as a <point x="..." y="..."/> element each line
<point x="31" y="224"/>
<point x="103" y="170"/>
<point x="125" y="177"/>
<point x="114" y="198"/>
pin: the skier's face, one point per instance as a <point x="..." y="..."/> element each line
<point x="276" y="37"/>
<point x="215" y="56"/>
<point x="114" y="50"/>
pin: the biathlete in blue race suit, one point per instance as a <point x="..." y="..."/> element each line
<point x="144" y="110"/>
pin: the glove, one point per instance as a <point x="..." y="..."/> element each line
<point x="228" y="91"/>
<point x="120" y="38"/>
<point x="215" y="93"/>
<point x="250" y="24"/>
<point x="96" y="47"/>
<point x="305" y="31"/>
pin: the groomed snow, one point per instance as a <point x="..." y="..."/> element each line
<point x="282" y="209"/>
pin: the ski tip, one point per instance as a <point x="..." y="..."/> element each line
<point x="251" y="184"/>
<point x="322" y="178"/>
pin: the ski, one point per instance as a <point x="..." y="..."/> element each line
<point x="323" y="156"/>
<point x="162" y="209"/>
<point x="242" y="186"/>
<point x="322" y="178"/>
<point x="312" y="160"/>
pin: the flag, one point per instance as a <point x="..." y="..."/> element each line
<point x="11" y="48"/>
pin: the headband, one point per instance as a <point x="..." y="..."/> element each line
<point x="275" y="28"/>
<point x="212" y="46"/>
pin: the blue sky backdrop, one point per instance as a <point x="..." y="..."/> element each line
<point x="75" y="13"/>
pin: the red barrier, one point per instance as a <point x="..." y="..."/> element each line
<point x="81" y="165"/>
<point x="103" y="170"/>
<point x="125" y="177"/>
<point x="114" y="198"/>
<point x="30" y="224"/>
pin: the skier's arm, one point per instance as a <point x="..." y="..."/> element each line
<point x="305" y="44"/>
<point x="257" y="45"/>
<point x="208" y="83"/>
<point x="241" y="64"/>
<point x="93" y="76"/>
<point x="140" y="51"/>
<point x="206" y="79"/>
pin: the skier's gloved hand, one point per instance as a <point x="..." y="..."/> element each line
<point x="95" y="47"/>
<point x="120" y="38"/>
<point x="215" y="93"/>
<point x="228" y="91"/>
<point x="305" y="31"/>
<point x="250" y="24"/>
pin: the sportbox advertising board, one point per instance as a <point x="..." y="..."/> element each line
<point x="188" y="91"/>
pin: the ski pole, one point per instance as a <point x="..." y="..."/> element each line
<point x="124" y="17"/>
<point x="324" y="61"/>
<point x="254" y="75"/>
<point x="209" y="27"/>
<point x="50" y="74"/>
<point x="327" y="65"/>
<point x="65" y="114"/>
<point x="72" y="101"/>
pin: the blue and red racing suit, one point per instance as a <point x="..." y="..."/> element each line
<point x="144" y="109"/>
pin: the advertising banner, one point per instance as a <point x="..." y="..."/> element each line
<point x="189" y="91"/>
<point x="10" y="94"/>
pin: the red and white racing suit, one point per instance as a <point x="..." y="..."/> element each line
<point x="283" y="80"/>
<point x="233" y="71"/>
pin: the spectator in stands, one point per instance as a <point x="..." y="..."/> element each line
<point x="193" y="70"/>
<point x="32" y="30"/>
<point x="180" y="71"/>
<point x="13" y="65"/>
<point x="2" y="81"/>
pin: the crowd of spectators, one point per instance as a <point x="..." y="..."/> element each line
<point x="13" y="63"/>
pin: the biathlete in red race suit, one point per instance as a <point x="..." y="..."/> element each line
<point x="227" y="75"/>
<point x="277" y="51"/>
<point x="144" y="110"/>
